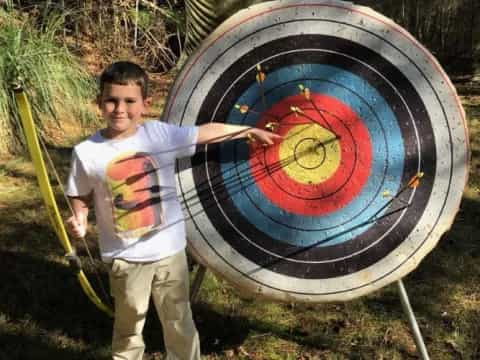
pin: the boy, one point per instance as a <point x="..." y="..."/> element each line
<point x="127" y="169"/>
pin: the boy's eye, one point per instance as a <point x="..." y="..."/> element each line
<point x="116" y="101"/>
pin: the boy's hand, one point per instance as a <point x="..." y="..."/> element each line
<point x="262" y="137"/>
<point x="77" y="226"/>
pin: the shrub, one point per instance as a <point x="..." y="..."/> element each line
<point x="53" y="80"/>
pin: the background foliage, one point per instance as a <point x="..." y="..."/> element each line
<point x="450" y="29"/>
<point x="52" y="77"/>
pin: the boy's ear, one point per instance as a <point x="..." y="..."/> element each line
<point x="147" y="102"/>
<point x="98" y="100"/>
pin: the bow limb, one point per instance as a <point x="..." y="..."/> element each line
<point x="47" y="194"/>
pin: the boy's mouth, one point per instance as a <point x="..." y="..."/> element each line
<point x="117" y="119"/>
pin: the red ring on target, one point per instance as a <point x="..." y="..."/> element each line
<point x="342" y="185"/>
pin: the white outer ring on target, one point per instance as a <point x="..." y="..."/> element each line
<point x="248" y="26"/>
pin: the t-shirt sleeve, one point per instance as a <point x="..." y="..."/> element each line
<point x="181" y="140"/>
<point x="78" y="183"/>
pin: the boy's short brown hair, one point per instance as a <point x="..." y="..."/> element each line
<point x="124" y="73"/>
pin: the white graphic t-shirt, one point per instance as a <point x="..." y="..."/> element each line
<point x="139" y="217"/>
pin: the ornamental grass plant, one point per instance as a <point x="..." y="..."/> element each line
<point x="56" y="84"/>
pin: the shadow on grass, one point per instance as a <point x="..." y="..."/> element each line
<point x="43" y="310"/>
<point x="46" y="296"/>
<point x="24" y="346"/>
<point x="220" y="332"/>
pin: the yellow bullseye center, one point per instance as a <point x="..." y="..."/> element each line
<point x="310" y="153"/>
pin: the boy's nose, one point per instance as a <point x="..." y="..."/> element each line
<point x="120" y="107"/>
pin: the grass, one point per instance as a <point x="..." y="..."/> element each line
<point x="44" y="314"/>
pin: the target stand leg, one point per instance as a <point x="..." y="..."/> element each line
<point x="407" y="308"/>
<point x="197" y="282"/>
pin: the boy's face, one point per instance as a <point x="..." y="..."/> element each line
<point x="122" y="107"/>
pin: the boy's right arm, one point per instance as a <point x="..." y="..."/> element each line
<point x="77" y="223"/>
<point x="217" y="132"/>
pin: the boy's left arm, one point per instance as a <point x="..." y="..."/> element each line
<point x="218" y="132"/>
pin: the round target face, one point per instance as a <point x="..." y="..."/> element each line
<point x="372" y="162"/>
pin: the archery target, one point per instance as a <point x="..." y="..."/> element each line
<point x="371" y="167"/>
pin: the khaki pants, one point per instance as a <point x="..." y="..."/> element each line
<point x="168" y="283"/>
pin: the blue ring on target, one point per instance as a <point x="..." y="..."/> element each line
<point x="303" y="230"/>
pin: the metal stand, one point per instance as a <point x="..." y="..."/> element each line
<point x="417" y="335"/>
<point x="197" y="282"/>
<point x="407" y="308"/>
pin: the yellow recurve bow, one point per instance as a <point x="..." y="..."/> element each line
<point x="48" y="197"/>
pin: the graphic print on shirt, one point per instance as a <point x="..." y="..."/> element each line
<point x="135" y="192"/>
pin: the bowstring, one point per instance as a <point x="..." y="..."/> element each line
<point x="84" y="241"/>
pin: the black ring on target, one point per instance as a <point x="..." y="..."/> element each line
<point x="303" y="267"/>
